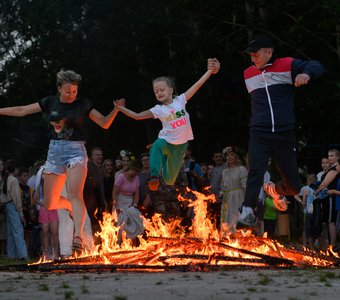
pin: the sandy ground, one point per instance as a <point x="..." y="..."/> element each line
<point x="254" y="284"/>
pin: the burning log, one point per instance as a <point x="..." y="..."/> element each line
<point x="167" y="247"/>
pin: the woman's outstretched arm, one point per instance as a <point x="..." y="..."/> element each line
<point x="20" y="111"/>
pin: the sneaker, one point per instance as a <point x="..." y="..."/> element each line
<point x="153" y="184"/>
<point x="279" y="201"/>
<point x="247" y="218"/>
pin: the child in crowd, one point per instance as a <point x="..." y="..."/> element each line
<point x="168" y="150"/>
<point x="270" y="217"/>
<point x="307" y="202"/>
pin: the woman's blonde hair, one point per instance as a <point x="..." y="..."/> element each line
<point x="67" y="76"/>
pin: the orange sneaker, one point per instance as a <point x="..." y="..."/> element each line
<point x="279" y="201"/>
<point x="153" y="184"/>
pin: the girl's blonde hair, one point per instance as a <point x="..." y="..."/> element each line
<point x="336" y="152"/>
<point x="168" y="80"/>
<point x="237" y="157"/>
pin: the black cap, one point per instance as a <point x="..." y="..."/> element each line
<point x="258" y="42"/>
<point x="56" y="116"/>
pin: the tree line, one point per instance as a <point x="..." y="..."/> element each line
<point x="119" y="46"/>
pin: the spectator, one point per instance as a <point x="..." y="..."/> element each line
<point x="325" y="166"/>
<point x="27" y="205"/>
<point x="48" y="218"/>
<point x="234" y="179"/>
<point x="144" y="195"/>
<point x="209" y="171"/>
<point x="215" y="183"/>
<point x="216" y="174"/>
<point x="94" y="194"/>
<point x="109" y="179"/>
<point x="205" y="175"/>
<point x="125" y="162"/>
<point x="36" y="234"/>
<point x="3" y="233"/>
<point x="329" y="181"/>
<point x="193" y="172"/>
<point x="307" y="202"/>
<point x="269" y="217"/>
<point x="261" y="206"/>
<point x="16" y="246"/>
<point x="125" y="197"/>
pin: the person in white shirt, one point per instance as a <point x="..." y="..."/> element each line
<point x="167" y="151"/>
<point x="325" y="166"/>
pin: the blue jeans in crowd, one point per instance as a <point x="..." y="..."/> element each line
<point x="16" y="246"/>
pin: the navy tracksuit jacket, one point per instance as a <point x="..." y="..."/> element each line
<point x="272" y="122"/>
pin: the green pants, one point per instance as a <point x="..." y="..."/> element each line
<point x="167" y="157"/>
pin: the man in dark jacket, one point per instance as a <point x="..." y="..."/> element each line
<point x="94" y="196"/>
<point x="270" y="83"/>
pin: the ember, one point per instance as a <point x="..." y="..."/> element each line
<point x="168" y="247"/>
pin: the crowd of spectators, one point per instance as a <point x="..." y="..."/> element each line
<point x="29" y="230"/>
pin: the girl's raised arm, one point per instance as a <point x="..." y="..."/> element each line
<point x="20" y="111"/>
<point x="213" y="68"/>
<point x="146" y="114"/>
<point x="105" y="121"/>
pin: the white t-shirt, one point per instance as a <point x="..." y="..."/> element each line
<point x="175" y="120"/>
<point x="318" y="176"/>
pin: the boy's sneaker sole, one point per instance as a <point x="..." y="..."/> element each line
<point x="280" y="202"/>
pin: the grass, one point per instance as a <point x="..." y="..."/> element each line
<point x="120" y="298"/>
<point x="65" y="285"/>
<point x="264" y="280"/>
<point x="68" y="294"/>
<point x="43" y="287"/>
<point x="85" y="290"/>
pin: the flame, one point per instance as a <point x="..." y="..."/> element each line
<point x="169" y="244"/>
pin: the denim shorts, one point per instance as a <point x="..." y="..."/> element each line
<point x="63" y="154"/>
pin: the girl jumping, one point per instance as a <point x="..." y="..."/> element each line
<point x="167" y="151"/>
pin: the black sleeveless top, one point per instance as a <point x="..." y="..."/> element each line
<point x="331" y="185"/>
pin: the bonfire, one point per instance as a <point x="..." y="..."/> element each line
<point x="168" y="246"/>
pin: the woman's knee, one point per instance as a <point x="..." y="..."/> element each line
<point x="75" y="195"/>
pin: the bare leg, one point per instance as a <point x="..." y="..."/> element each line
<point x="54" y="238"/>
<point x="53" y="185"/>
<point x="75" y="186"/>
<point x="332" y="234"/>
<point x="44" y="233"/>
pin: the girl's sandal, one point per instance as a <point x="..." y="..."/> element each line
<point x="77" y="246"/>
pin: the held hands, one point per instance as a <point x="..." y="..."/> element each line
<point x="213" y="65"/>
<point x="301" y="79"/>
<point x="119" y="103"/>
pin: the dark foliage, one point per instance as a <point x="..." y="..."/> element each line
<point x="119" y="46"/>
